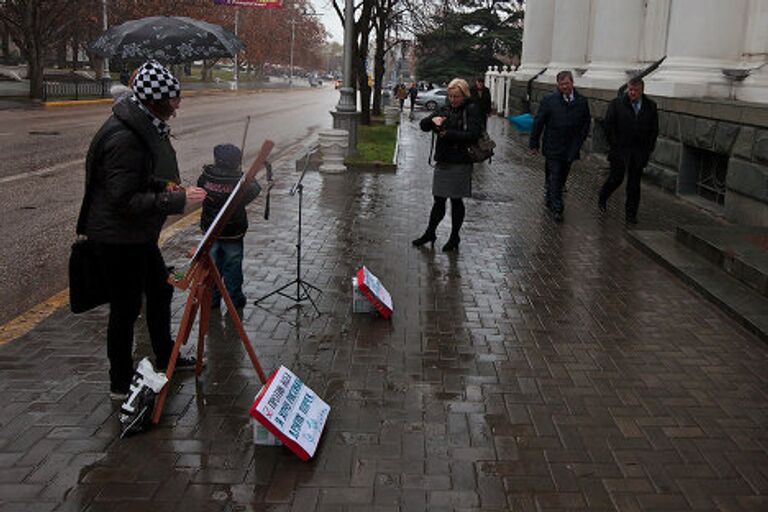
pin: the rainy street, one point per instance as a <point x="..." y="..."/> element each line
<point x="543" y="366"/>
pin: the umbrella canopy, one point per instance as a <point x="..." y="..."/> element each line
<point x="170" y="39"/>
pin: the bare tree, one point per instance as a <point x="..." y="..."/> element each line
<point x="387" y="18"/>
<point x="35" y="26"/>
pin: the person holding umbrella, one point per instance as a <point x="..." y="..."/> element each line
<point x="132" y="185"/>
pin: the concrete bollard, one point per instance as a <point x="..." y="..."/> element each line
<point x="391" y="115"/>
<point x="333" y="147"/>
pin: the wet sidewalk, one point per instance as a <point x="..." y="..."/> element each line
<point x="542" y="367"/>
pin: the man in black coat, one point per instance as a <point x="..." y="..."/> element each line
<point x="631" y="127"/>
<point x="482" y="97"/>
<point x="132" y="185"/>
<point x="564" y="118"/>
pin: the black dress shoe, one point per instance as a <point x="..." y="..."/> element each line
<point x="452" y="244"/>
<point x="423" y="239"/>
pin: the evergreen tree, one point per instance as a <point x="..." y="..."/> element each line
<point x="468" y="38"/>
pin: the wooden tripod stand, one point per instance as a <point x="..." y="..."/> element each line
<point x="200" y="279"/>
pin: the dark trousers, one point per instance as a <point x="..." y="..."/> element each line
<point x="555" y="175"/>
<point x="634" y="173"/>
<point x="438" y="212"/>
<point x="130" y="271"/>
<point x="228" y="256"/>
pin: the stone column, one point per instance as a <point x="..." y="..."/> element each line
<point x="492" y="75"/>
<point x="755" y="86"/>
<point x="616" y="36"/>
<point x="653" y="45"/>
<point x="570" y="38"/>
<point x="506" y="85"/>
<point x="537" y="38"/>
<point x="501" y="88"/>
<point x="705" y="37"/>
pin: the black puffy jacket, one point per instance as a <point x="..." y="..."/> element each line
<point x="565" y="126"/>
<point x="631" y="136"/>
<point x="462" y="127"/>
<point x="219" y="182"/>
<point x="129" y="203"/>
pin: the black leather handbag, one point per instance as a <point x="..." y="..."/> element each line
<point x="87" y="287"/>
<point x="481" y="150"/>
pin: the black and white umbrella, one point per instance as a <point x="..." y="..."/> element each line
<point x="168" y="39"/>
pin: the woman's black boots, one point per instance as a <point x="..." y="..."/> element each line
<point x="428" y="236"/>
<point x="453" y="243"/>
<point x="435" y="216"/>
<point x="457" y="219"/>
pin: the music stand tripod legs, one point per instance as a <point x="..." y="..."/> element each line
<point x="303" y="287"/>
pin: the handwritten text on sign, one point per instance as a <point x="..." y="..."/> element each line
<point x="294" y="410"/>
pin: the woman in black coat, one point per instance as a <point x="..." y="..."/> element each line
<point x="457" y="126"/>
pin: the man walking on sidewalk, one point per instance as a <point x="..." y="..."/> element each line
<point x="564" y="118"/>
<point x="631" y="127"/>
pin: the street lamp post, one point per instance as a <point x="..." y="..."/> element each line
<point x="293" y="38"/>
<point x="237" y="64"/>
<point x="346" y="115"/>
<point x="105" y="26"/>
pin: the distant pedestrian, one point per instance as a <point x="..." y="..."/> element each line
<point x="482" y="96"/>
<point x="564" y="118"/>
<point x="218" y="181"/>
<point x="456" y="125"/>
<point x="402" y="94"/>
<point x="631" y="127"/>
<point x="413" y="92"/>
<point x="125" y="76"/>
<point x="133" y="184"/>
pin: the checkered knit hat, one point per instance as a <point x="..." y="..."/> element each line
<point x="154" y="82"/>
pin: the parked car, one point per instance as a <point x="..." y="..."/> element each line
<point x="432" y="99"/>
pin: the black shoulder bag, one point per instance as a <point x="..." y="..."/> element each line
<point x="481" y="150"/>
<point x="87" y="286"/>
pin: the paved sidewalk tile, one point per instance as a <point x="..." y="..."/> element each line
<point x="542" y="367"/>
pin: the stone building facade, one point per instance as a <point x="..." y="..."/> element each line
<point x="711" y="87"/>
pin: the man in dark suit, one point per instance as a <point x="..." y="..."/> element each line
<point x="564" y="119"/>
<point x="631" y="127"/>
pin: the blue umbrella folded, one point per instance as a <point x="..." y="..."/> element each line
<point x="522" y="123"/>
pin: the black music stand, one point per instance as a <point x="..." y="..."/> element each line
<point x="303" y="287"/>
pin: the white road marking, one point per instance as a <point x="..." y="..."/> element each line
<point x="42" y="172"/>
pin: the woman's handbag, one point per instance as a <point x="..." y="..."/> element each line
<point x="87" y="288"/>
<point x="481" y="150"/>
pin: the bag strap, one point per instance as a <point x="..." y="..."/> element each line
<point x="431" y="149"/>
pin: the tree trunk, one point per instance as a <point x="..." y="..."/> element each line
<point x="206" y="72"/>
<point x="362" y="56"/>
<point x="35" y="70"/>
<point x="61" y="54"/>
<point x="378" y="63"/>
<point x="5" y="47"/>
<point x="75" y="51"/>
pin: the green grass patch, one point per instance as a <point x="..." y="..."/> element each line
<point x="375" y="143"/>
